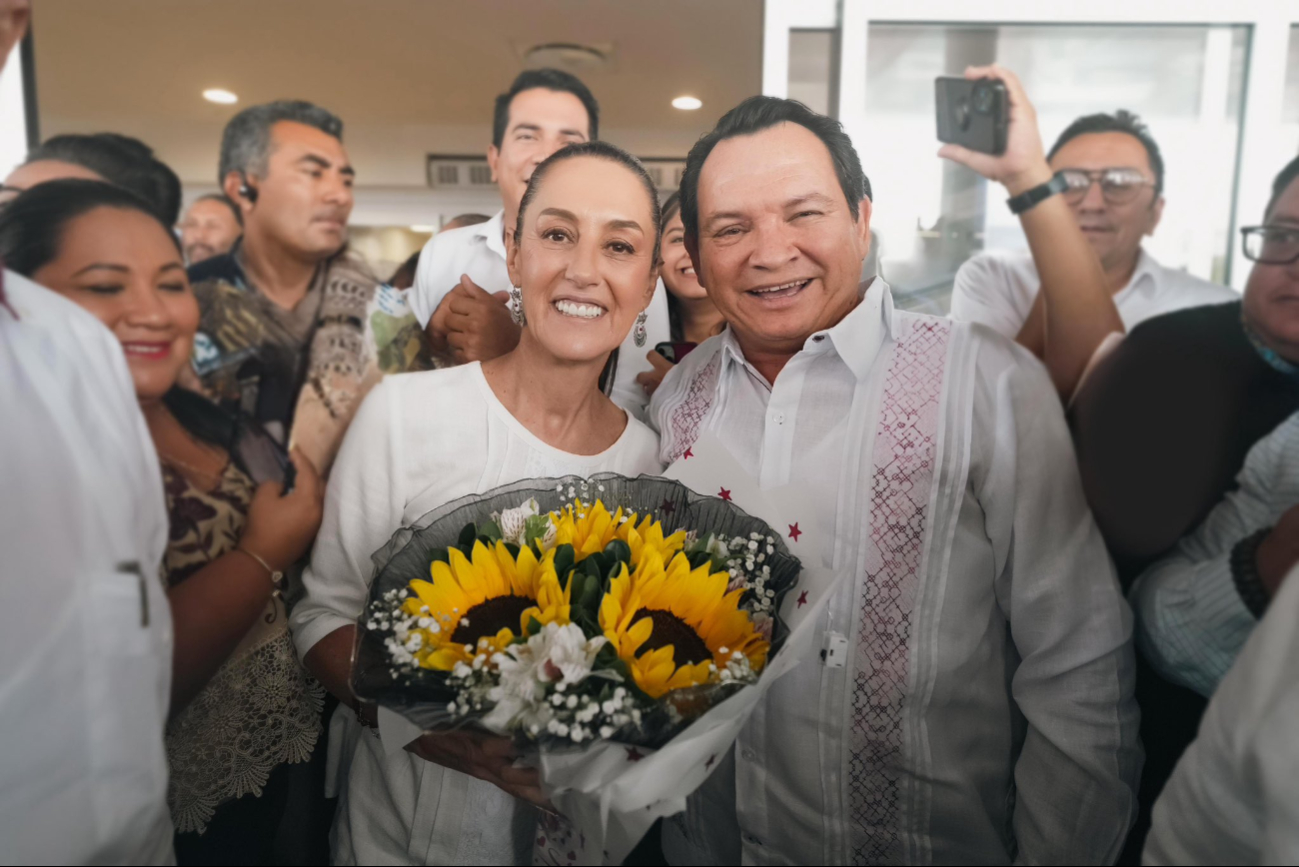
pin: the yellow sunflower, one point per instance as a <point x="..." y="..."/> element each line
<point x="590" y="528"/>
<point x="480" y="605"/>
<point x="676" y="627"/>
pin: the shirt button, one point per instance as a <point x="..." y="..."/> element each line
<point x="748" y="755"/>
<point x="778" y="417"/>
<point x="818" y="338"/>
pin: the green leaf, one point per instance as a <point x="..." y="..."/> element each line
<point x="534" y="626"/>
<point x="564" y="559"/>
<point x="535" y="528"/>
<point x="619" y="550"/>
<point x="490" y="530"/>
<point x="468" y="536"/>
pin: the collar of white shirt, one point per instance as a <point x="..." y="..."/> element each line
<point x="493" y="233"/>
<point x="856" y="338"/>
<point x="1145" y="276"/>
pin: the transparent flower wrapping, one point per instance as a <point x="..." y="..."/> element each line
<point x="427" y="697"/>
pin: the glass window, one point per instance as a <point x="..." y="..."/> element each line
<point x="931" y="215"/>
<point x="812" y="72"/>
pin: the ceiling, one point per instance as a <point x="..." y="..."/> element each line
<point x="140" y="65"/>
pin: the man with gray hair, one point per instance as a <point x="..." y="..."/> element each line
<point x="294" y="329"/>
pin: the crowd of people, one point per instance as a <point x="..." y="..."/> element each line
<point x="1069" y="510"/>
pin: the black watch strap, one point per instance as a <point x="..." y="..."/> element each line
<point x="1030" y="197"/>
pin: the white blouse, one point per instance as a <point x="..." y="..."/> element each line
<point x="418" y="441"/>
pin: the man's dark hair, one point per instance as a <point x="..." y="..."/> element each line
<point x="1122" y="121"/>
<point x="246" y="142"/>
<point x="763" y="112"/>
<point x="605" y="151"/>
<point x="32" y="225"/>
<point x="225" y="200"/>
<point x="547" y="79"/>
<point x="121" y="160"/>
<point x="1287" y="176"/>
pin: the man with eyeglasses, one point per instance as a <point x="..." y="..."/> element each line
<point x="1111" y="174"/>
<point x="1163" y="427"/>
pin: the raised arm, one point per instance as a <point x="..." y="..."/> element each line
<point x="1077" y="311"/>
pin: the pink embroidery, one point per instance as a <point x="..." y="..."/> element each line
<point x="686" y="418"/>
<point x="906" y="442"/>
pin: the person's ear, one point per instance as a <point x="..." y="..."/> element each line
<point x="863" y="227"/>
<point x="232" y="186"/>
<point x="692" y="250"/>
<point x="493" y="158"/>
<point x="512" y="260"/>
<point x="1156" y="214"/>
<point x="653" y="283"/>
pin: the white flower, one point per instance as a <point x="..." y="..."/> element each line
<point x="558" y="655"/>
<point x="716" y="547"/>
<point x="513" y="521"/>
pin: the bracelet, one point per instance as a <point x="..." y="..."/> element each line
<point x="276" y="575"/>
<point x="1244" y="573"/>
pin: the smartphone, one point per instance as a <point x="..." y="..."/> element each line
<point x="973" y="114"/>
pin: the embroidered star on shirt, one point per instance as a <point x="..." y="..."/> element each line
<point x="802" y="599"/>
<point x="634" y="755"/>
<point x="794" y="532"/>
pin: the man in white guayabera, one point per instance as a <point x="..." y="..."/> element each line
<point x="982" y="711"/>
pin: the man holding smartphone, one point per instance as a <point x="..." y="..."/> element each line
<point x="1113" y="177"/>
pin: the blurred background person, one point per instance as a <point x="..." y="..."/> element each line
<point x="210" y="228"/>
<point x="294" y="329"/>
<point x="104" y="156"/>
<point x="1163" y="427"/>
<point x="692" y="316"/>
<point x="85" y="632"/>
<point x="242" y="707"/>
<point x="404" y="276"/>
<point x="462" y="283"/>
<point x="1114" y="181"/>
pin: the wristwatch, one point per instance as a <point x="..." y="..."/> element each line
<point x="1030" y="197"/>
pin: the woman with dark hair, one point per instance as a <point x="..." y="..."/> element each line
<point x="242" y="707"/>
<point x="583" y="260"/>
<point x="692" y="316"/>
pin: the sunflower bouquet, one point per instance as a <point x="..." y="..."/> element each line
<point x="581" y="621"/>
<point x="621" y="629"/>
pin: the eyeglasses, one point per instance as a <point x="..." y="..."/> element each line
<point x="1271" y="245"/>
<point x="1117" y="185"/>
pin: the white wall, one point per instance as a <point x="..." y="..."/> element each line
<point x="13" y="120"/>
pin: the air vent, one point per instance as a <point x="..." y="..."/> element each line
<point x="458" y="172"/>
<point x="665" y="172"/>
<point x="461" y="172"/>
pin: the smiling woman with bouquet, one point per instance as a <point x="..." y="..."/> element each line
<point x="583" y="259"/>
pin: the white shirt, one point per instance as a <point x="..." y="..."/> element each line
<point x="1191" y="622"/>
<point x="1234" y="796"/>
<point x="421" y="440"/>
<point x="479" y="251"/>
<point x="85" y="641"/>
<point x="1019" y="730"/>
<point x="997" y="288"/>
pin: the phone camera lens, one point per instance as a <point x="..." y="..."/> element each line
<point x="982" y="98"/>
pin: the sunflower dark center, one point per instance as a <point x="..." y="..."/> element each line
<point x="490" y="617"/>
<point x="670" y="629"/>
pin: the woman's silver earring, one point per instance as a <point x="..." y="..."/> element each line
<point x="516" y="306"/>
<point x="638" y="333"/>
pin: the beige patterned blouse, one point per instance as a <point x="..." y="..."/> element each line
<point x="261" y="709"/>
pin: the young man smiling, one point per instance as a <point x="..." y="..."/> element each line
<point x="461" y="285"/>
<point x="982" y="709"/>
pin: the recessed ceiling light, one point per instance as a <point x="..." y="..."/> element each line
<point x="216" y="94"/>
<point x="428" y="230"/>
<point x="686" y="103"/>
